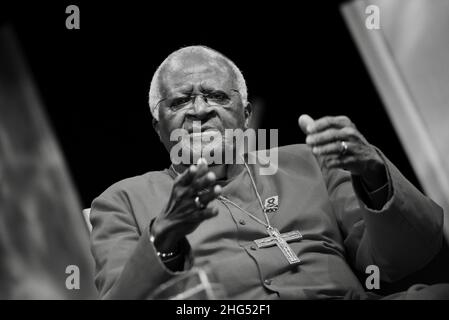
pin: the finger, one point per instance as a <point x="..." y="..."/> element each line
<point x="332" y="148"/>
<point x="323" y="137"/>
<point x="188" y="207"/>
<point x="333" y="163"/>
<point x="210" y="194"/>
<point x="187" y="176"/>
<point x="191" y="221"/>
<point x="202" y="167"/>
<point x="203" y="182"/>
<point x="209" y="212"/>
<point x="331" y="135"/>
<point x="204" y="214"/>
<point x="193" y="172"/>
<point x="304" y="122"/>
<point x="340" y="162"/>
<point x="328" y="122"/>
<point x="202" y="164"/>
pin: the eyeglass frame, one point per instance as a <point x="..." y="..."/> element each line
<point x="193" y="97"/>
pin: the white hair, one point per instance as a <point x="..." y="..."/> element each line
<point x="155" y="89"/>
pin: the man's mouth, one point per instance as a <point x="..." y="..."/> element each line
<point x="198" y="131"/>
<point x="207" y="134"/>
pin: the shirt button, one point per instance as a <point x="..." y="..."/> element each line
<point x="253" y="248"/>
<point x="242" y="222"/>
<point x="267" y="282"/>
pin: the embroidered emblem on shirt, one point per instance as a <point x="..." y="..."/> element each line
<point x="271" y="204"/>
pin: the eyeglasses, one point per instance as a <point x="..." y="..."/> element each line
<point x="213" y="98"/>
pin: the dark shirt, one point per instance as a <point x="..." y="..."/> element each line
<point x="341" y="232"/>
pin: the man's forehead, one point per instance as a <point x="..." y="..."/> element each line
<point x="187" y="69"/>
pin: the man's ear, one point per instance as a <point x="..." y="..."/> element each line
<point x="156" y="127"/>
<point x="248" y="113"/>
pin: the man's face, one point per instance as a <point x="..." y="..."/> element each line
<point x="198" y="89"/>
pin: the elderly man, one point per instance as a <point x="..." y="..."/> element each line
<point x="334" y="205"/>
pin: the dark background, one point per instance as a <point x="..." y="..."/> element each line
<point x="94" y="81"/>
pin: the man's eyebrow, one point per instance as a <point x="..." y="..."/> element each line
<point x="209" y="89"/>
<point x="185" y="90"/>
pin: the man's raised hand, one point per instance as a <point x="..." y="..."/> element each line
<point x="187" y="206"/>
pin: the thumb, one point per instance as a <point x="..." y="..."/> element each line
<point x="304" y="122"/>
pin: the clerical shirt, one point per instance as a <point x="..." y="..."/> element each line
<point x="341" y="232"/>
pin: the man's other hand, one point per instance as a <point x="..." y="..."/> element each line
<point x="338" y="144"/>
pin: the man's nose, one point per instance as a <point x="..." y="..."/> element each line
<point x="199" y="108"/>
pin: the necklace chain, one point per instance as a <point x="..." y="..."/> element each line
<point x="224" y="199"/>
<point x="253" y="183"/>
